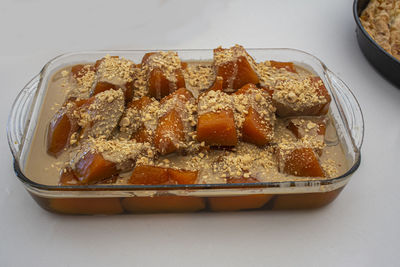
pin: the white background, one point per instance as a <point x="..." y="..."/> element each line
<point x="361" y="228"/>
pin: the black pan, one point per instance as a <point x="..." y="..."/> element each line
<point x="382" y="61"/>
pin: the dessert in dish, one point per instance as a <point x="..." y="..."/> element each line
<point x="166" y="121"/>
<point x="381" y="19"/>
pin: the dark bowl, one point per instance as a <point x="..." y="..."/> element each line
<point x="387" y="65"/>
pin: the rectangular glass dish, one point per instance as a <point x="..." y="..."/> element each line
<point x="113" y="199"/>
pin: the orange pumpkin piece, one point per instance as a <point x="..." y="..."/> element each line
<point x="146" y="57"/>
<point x="153" y="175"/>
<point x="98" y="62"/>
<point x="68" y="178"/>
<point x="291" y="104"/>
<point x="61" y="128"/>
<point x="323" y="92"/>
<point x="86" y="205"/>
<point x="236" y="70"/>
<point x="236" y="203"/>
<point x="182" y="94"/>
<point x="246" y="88"/>
<point x="103" y="86"/>
<point x="289" y="66"/>
<point x="159" y="86"/>
<point x="217" y="128"/>
<point x="158" y="83"/>
<point x="217" y="85"/>
<point x="301" y="162"/>
<point x="163" y="204"/>
<point x="140" y="103"/>
<point x="92" y="168"/>
<point x="169" y="133"/>
<point x="142" y="136"/>
<point x="182" y="176"/>
<point x="255" y="130"/>
<point x="300" y="128"/>
<point x="80" y="70"/>
<point x="149" y="175"/>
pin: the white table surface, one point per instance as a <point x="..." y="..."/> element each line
<point x="361" y="228"/>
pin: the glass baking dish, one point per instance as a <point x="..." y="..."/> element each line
<point x="114" y="199"/>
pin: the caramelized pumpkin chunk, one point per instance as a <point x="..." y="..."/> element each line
<point x="302" y="127"/>
<point x="142" y="135"/>
<point x="163" y="204"/>
<point x="102" y="86"/>
<point x="234" y="66"/>
<point x="255" y="130"/>
<point x="289" y="66"/>
<point x="61" y="129"/>
<point x="152" y="175"/>
<point x="149" y="175"/>
<point x="86" y="205"/>
<point x="322" y="92"/>
<point x="217" y="128"/>
<point x="169" y="133"/>
<point x="182" y="176"/>
<point x="164" y="73"/>
<point x="68" y="178"/>
<point x="182" y="94"/>
<point x="160" y="86"/>
<point x="92" y="168"/>
<point x="80" y="70"/>
<point x="304" y="97"/>
<point x="140" y="103"/>
<point x="217" y="85"/>
<point x="235" y="203"/>
<point x="300" y="162"/>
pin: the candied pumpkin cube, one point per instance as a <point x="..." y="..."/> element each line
<point x="217" y="85"/>
<point x="140" y="103"/>
<point x="61" y="129"/>
<point x="182" y="94"/>
<point x="217" y="128"/>
<point x="153" y="175"/>
<point x="169" y="133"/>
<point x="182" y="176"/>
<point x="101" y="87"/>
<point x="300" y="162"/>
<point x="302" y="127"/>
<point x="80" y="70"/>
<point x="86" y="206"/>
<point x="233" y="65"/>
<point x="305" y="97"/>
<point x="305" y="201"/>
<point x="163" y="204"/>
<point x="322" y="92"/>
<point x="289" y="66"/>
<point x="92" y="168"/>
<point x="160" y="82"/>
<point x="142" y="135"/>
<point x="149" y="175"/>
<point x="68" y="178"/>
<point x="255" y="130"/>
<point x="159" y="86"/>
<point x="236" y="203"/>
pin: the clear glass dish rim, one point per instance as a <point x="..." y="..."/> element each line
<point x="85" y="188"/>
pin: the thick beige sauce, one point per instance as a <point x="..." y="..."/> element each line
<point x="45" y="169"/>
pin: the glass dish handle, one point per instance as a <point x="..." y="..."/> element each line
<point x="19" y="116"/>
<point x="350" y="109"/>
